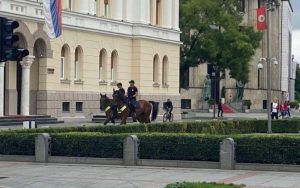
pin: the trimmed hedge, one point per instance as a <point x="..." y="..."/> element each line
<point x="87" y="145"/>
<point x="256" y="148"/>
<point x="208" y="127"/>
<point x="17" y="144"/>
<point x="270" y="149"/>
<point x="180" y="147"/>
<point x="202" y="185"/>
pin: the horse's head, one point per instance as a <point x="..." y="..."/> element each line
<point x="103" y="101"/>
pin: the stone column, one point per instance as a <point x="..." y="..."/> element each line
<point x="25" y="95"/>
<point x="145" y="12"/>
<point x="92" y="7"/>
<point x="175" y="8"/>
<point x="117" y="9"/>
<point x="2" y="66"/>
<point x="227" y="154"/>
<point x="83" y="6"/>
<point x="167" y="13"/>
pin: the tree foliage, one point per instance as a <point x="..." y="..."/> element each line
<point x="212" y="33"/>
<point x="297" y="85"/>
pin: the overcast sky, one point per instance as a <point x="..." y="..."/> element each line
<point x="296" y="29"/>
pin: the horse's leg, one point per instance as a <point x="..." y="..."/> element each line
<point x="123" y="122"/>
<point x="113" y="120"/>
<point x="124" y="116"/>
<point x="106" y="121"/>
<point x="108" y="117"/>
<point x="148" y="114"/>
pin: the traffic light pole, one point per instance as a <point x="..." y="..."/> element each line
<point x="2" y="64"/>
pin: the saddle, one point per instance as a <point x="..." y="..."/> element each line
<point x="133" y="105"/>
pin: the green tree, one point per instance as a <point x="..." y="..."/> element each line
<point x="212" y="32"/>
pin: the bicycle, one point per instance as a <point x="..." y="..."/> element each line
<point x="167" y="117"/>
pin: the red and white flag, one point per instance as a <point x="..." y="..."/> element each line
<point x="261" y="18"/>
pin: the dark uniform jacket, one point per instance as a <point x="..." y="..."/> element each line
<point x="131" y="91"/>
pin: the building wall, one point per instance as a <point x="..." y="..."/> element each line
<point x="134" y="41"/>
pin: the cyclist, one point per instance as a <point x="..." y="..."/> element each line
<point x="169" y="108"/>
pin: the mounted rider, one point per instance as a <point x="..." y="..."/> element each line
<point x="120" y="88"/>
<point x="114" y="106"/>
<point x="132" y="93"/>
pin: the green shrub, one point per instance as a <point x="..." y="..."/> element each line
<point x="207" y="127"/>
<point x="294" y="104"/>
<point x="272" y="149"/>
<point x="276" y="149"/>
<point x="87" y="145"/>
<point x="179" y="146"/>
<point x="17" y="144"/>
<point x="202" y="185"/>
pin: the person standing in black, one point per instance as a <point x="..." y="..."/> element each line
<point x="220" y="109"/>
<point x="169" y="107"/>
<point x="132" y="93"/>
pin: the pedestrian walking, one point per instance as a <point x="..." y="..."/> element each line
<point x="220" y="109"/>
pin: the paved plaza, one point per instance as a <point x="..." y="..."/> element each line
<point x="35" y="175"/>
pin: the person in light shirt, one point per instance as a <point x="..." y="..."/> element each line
<point x="274" y="109"/>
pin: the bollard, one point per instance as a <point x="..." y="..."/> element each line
<point x="227" y="154"/>
<point x="42" y="142"/>
<point x="130" y="150"/>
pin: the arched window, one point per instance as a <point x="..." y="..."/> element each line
<point x="156" y="69"/>
<point x="64" y="62"/>
<point x="114" y="66"/>
<point x="102" y="65"/>
<point x="165" y="72"/>
<point x="78" y="64"/>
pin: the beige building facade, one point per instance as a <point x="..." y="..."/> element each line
<point x="102" y="43"/>
<point x="256" y="88"/>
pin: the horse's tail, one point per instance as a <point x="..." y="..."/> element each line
<point x="154" y="110"/>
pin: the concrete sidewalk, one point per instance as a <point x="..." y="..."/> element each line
<point x="35" y="175"/>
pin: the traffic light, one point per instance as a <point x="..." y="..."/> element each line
<point x="7" y="41"/>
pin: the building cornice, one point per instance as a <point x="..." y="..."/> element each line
<point x="33" y="11"/>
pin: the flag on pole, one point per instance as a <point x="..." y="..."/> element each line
<point x="53" y="18"/>
<point x="261" y="18"/>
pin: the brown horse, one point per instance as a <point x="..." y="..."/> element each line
<point x="142" y="112"/>
<point x="106" y="104"/>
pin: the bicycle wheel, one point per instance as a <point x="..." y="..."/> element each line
<point x="171" y="118"/>
<point x="165" y="117"/>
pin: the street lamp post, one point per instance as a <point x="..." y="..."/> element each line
<point x="271" y="5"/>
<point x="214" y="79"/>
